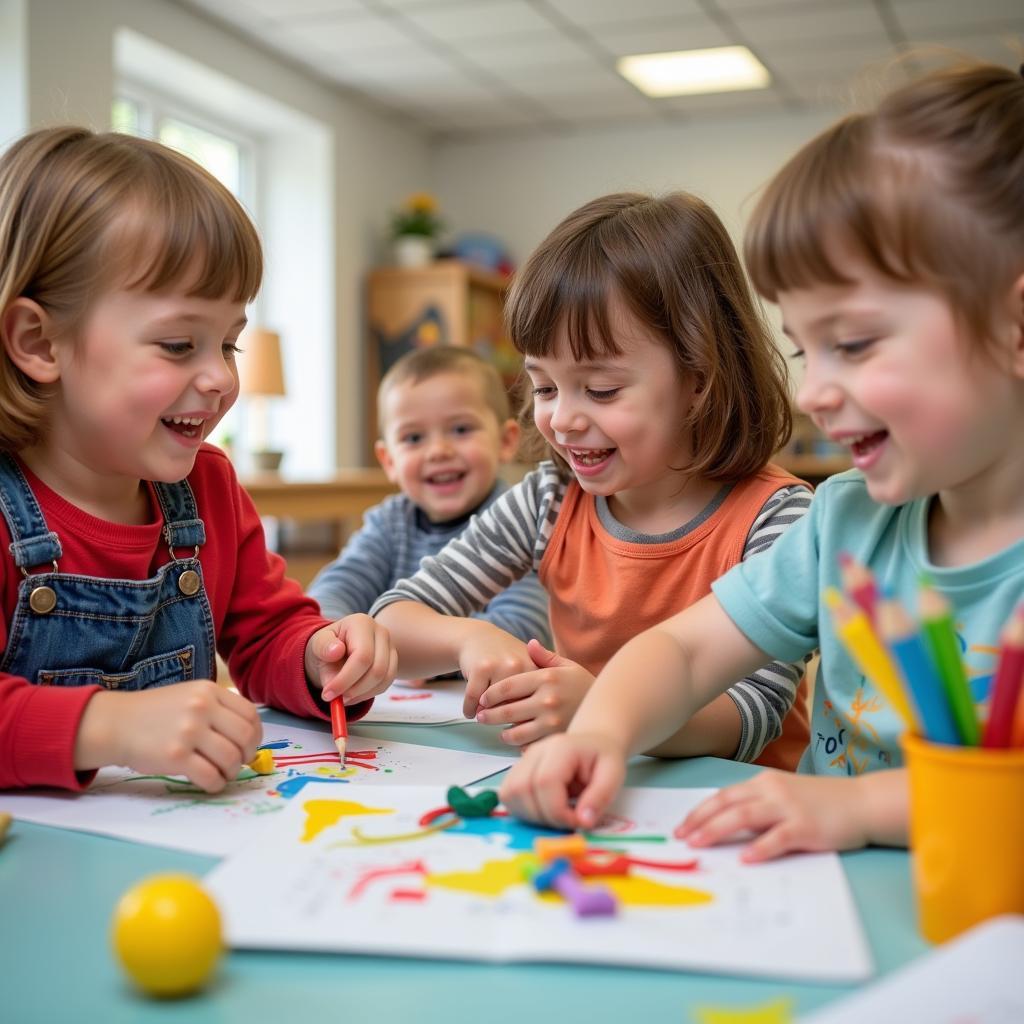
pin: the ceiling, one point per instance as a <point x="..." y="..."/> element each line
<point x="481" y="67"/>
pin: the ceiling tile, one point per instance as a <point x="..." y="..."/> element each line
<point x="588" y="13"/>
<point x="661" y="35"/>
<point x="924" y="18"/>
<point x="528" y="51"/>
<point x="351" y="34"/>
<point x="487" y="20"/>
<point x="282" y="9"/>
<point x="826" y="24"/>
<point x="742" y="102"/>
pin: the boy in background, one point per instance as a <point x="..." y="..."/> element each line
<point x="446" y="427"/>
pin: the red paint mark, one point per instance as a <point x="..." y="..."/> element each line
<point x="355" y="758"/>
<point x="407" y="895"/>
<point x="411" y="696"/>
<point x="416" y="867"/>
<point x="642" y="862"/>
<point x="431" y="816"/>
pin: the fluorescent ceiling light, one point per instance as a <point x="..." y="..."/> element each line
<point x="685" y="72"/>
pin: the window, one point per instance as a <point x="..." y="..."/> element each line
<point x="226" y="153"/>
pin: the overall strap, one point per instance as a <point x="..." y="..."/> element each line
<point x="182" y="525"/>
<point x="31" y="542"/>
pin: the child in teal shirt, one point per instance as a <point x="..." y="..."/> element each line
<point x="894" y="246"/>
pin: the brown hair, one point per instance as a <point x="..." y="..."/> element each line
<point x="424" y="363"/>
<point x="928" y="188"/>
<point x="671" y="261"/>
<point x="82" y="212"/>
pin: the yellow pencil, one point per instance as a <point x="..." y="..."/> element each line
<point x="858" y="637"/>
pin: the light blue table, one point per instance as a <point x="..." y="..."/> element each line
<point x="58" y="890"/>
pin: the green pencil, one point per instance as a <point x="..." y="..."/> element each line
<point x="940" y="636"/>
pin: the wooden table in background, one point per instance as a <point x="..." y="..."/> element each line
<point x="339" y="499"/>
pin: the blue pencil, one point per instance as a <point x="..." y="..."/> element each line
<point x="918" y="672"/>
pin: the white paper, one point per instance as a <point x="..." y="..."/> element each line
<point x="168" y="811"/>
<point x="431" y="704"/>
<point x="977" y="978"/>
<point x="460" y="893"/>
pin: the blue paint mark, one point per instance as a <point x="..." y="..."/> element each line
<point x="289" y="787"/>
<point x="276" y="745"/>
<point x="980" y="687"/>
<point x="508" y="832"/>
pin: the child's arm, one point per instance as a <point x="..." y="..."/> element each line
<point x="430" y="644"/>
<point x="360" y="573"/>
<point x="197" y="729"/>
<point x="804" y="812"/>
<point x="521" y="609"/>
<point x="655" y="682"/>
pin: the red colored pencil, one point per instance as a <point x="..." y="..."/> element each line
<point x="339" y="727"/>
<point x="1006" y="686"/>
<point x="859" y="583"/>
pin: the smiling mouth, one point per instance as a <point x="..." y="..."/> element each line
<point x="443" y="479"/>
<point x="187" y="426"/>
<point x="865" y="443"/>
<point x="589" y="457"/>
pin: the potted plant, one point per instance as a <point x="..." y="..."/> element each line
<point x="415" y="226"/>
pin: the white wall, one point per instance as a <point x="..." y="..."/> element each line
<point x="70" y="76"/>
<point x="520" y="188"/>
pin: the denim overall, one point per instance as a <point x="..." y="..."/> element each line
<point x="121" y="634"/>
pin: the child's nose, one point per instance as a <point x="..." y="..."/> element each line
<point x="439" y="445"/>
<point x="565" y="417"/>
<point x="818" y="391"/>
<point x="217" y="375"/>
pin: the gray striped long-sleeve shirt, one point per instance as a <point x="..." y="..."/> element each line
<point x="390" y="545"/>
<point x="510" y="539"/>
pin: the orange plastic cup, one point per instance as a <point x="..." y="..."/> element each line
<point x="966" y="834"/>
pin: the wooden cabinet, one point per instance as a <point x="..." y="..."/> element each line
<point x="443" y="303"/>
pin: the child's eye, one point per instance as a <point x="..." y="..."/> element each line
<point x="232" y="349"/>
<point x="854" y="348"/>
<point x="543" y="391"/>
<point x="604" y="395"/>
<point x="463" y="428"/>
<point x="412" y="438"/>
<point x="176" y="348"/>
<point x="797" y="354"/>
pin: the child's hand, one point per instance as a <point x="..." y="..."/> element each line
<point x="488" y="655"/>
<point x="551" y="772"/>
<point x="536" y="703"/>
<point x="351" y="658"/>
<point x="197" y="729"/>
<point x="792" y="812"/>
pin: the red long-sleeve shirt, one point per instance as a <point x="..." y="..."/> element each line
<point x="261" y="619"/>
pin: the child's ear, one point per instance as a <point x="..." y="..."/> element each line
<point x="1018" y="326"/>
<point x="508" y="440"/>
<point x="28" y="335"/>
<point x="380" y="449"/>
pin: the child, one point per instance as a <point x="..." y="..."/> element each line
<point x="130" y="550"/>
<point x="446" y="427"/>
<point x="658" y="391"/>
<point x="894" y="245"/>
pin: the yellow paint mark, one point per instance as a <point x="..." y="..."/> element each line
<point x="493" y="877"/>
<point x="778" y="1011"/>
<point x="321" y="814"/>
<point x="637" y="891"/>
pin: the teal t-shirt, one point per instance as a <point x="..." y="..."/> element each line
<point x="776" y="599"/>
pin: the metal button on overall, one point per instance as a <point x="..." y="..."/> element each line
<point x="42" y="600"/>
<point x="188" y="582"/>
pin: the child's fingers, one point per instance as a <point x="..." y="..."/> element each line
<point x="511" y="688"/>
<point x="221" y="752"/>
<point x="606" y="778"/>
<point x="476" y="682"/>
<point x="781" y="838"/>
<point x="709" y="809"/>
<point x="203" y="773"/>
<point x="754" y="815"/>
<point x="239" y="721"/>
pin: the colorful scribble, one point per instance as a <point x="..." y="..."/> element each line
<point x="321" y="814"/>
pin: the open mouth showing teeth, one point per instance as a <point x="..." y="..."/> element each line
<point x="445" y="478"/>
<point x="187" y="426"/>
<point x="591" y="457"/>
<point x="866" y="442"/>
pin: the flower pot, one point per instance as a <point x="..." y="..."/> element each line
<point x="413" y="250"/>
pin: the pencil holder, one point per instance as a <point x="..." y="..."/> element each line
<point x="966" y="834"/>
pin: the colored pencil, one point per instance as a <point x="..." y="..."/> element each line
<point x="902" y="636"/>
<point x="859" y="583"/>
<point x="339" y="727"/>
<point x="940" y="636"/>
<point x="857" y="635"/>
<point x="1007" y="684"/>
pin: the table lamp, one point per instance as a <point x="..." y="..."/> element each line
<point x="261" y="378"/>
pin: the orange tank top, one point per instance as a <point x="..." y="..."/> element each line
<point x="603" y="591"/>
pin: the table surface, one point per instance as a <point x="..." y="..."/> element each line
<point x="58" y="889"/>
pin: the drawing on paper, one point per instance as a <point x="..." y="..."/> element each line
<point x="396" y="872"/>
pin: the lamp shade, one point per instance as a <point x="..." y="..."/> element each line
<point x="259" y="364"/>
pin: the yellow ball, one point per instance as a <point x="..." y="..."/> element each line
<point x="167" y="934"/>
